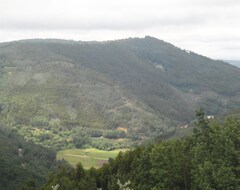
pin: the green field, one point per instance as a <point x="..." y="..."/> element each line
<point x="88" y="157"/>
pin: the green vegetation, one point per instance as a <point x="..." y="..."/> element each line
<point x="22" y="161"/>
<point x="88" y="157"/>
<point x="207" y="160"/>
<point x="114" y="95"/>
<point x="50" y="88"/>
<point x="79" y="137"/>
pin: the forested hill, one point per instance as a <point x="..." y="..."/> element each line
<point x="142" y="84"/>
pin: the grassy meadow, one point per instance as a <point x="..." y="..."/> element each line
<point x="88" y="157"/>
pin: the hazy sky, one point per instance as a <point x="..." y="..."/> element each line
<point x="208" y="27"/>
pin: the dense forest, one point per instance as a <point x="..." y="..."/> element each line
<point x="209" y="159"/>
<point x="21" y="161"/>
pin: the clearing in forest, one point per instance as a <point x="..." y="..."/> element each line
<point x="88" y="157"/>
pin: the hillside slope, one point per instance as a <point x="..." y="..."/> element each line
<point x="146" y="86"/>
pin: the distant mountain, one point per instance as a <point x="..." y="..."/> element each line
<point x="234" y="62"/>
<point x="144" y="86"/>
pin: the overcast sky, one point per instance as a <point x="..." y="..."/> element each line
<point x="207" y="27"/>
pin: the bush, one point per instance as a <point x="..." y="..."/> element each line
<point x="113" y="134"/>
<point x="102" y="144"/>
<point x="39" y="121"/>
<point x="81" y="142"/>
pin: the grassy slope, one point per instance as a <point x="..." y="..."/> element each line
<point x="88" y="157"/>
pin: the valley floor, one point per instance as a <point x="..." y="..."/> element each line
<point x="90" y="157"/>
